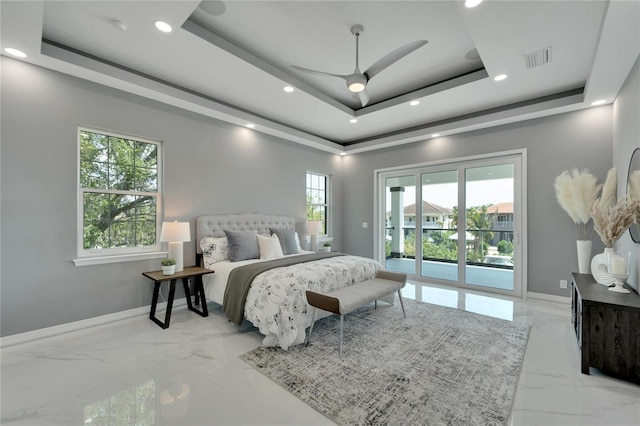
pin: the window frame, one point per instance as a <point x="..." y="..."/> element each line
<point x="121" y="254"/>
<point x="327" y="199"/>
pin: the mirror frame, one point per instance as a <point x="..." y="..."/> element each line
<point x="634" y="166"/>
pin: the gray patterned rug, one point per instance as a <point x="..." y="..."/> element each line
<point x="439" y="366"/>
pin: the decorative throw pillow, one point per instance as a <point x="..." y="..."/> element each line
<point x="287" y="239"/>
<point x="243" y="245"/>
<point x="214" y="249"/>
<point x="269" y="246"/>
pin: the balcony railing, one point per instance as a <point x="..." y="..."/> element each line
<point x="438" y="244"/>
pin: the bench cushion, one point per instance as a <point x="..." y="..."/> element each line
<point x="352" y="297"/>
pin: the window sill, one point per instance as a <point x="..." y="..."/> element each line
<point x="87" y="261"/>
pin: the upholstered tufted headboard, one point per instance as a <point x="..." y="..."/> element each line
<point x="215" y="225"/>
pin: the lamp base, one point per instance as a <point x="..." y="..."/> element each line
<point x="175" y="252"/>
<point x="314" y="242"/>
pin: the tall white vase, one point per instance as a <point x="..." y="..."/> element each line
<point x="600" y="268"/>
<point x="584" y="255"/>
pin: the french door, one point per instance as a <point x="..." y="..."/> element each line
<point x="456" y="223"/>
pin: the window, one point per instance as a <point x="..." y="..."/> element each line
<point x="119" y="194"/>
<point x="318" y="200"/>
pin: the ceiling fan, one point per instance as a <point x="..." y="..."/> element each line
<point x="357" y="82"/>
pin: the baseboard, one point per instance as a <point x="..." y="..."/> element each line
<point x="56" y="330"/>
<point x="549" y="297"/>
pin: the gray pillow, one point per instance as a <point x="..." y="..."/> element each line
<point x="243" y="245"/>
<point x="287" y="239"/>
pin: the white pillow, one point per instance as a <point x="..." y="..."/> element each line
<point x="214" y="249"/>
<point x="270" y="247"/>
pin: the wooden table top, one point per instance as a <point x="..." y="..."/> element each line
<point x="188" y="271"/>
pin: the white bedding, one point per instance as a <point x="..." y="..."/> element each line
<point x="276" y="301"/>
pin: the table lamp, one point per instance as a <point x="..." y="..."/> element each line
<point x="175" y="233"/>
<point x="313" y="228"/>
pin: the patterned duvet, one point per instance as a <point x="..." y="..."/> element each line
<point x="276" y="301"/>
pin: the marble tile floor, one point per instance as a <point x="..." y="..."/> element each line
<point x="131" y="372"/>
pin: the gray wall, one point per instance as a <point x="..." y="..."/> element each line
<point x="626" y="138"/>
<point x="210" y="167"/>
<point x="213" y="167"/>
<point x="554" y="144"/>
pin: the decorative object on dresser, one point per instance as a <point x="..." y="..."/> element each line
<point x="175" y="233"/>
<point x="619" y="269"/>
<point x="438" y="366"/>
<point x="576" y="191"/>
<point x="607" y="328"/>
<point x="611" y="219"/>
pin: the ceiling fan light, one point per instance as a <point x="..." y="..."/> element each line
<point x="356" y="87"/>
<point x="356" y="82"/>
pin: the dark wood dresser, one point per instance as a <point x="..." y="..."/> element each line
<point x="607" y="327"/>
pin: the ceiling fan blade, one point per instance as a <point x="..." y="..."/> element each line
<point x="393" y="57"/>
<point x="307" y="70"/>
<point x="364" y="97"/>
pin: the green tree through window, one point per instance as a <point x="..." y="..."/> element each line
<point x="119" y="183"/>
<point x="317" y="190"/>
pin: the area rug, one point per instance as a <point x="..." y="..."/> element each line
<point x="438" y="366"/>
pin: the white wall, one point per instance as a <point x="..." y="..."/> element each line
<point x="210" y="167"/>
<point x="626" y="138"/>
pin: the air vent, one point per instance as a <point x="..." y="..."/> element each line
<point x="537" y="58"/>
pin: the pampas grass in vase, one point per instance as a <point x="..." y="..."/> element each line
<point x="611" y="219"/>
<point x="576" y="191"/>
<point x="611" y="223"/>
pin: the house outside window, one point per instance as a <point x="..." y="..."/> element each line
<point x="119" y="194"/>
<point x="317" y="192"/>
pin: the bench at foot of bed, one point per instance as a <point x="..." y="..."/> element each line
<point x="350" y="298"/>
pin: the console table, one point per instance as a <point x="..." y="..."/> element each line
<point x="607" y="326"/>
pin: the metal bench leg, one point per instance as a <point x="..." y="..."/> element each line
<point x="313" y="321"/>
<point x="402" y="304"/>
<point x="341" y="327"/>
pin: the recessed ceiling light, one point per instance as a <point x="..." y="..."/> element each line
<point x="288" y="89"/>
<point x="599" y="102"/>
<point x="353" y="120"/>
<point x="163" y="26"/>
<point x="414" y="103"/>
<point x="251" y="125"/>
<point x="343" y="153"/>
<point x="472" y="3"/>
<point x="435" y="135"/>
<point x="500" y="77"/>
<point x="15" y="52"/>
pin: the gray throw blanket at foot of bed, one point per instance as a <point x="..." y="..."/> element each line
<point x="240" y="279"/>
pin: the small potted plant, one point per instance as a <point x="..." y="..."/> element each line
<point x="327" y="246"/>
<point x="168" y="266"/>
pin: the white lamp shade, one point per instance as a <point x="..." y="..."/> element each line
<point x="314" y="227"/>
<point x="175" y="232"/>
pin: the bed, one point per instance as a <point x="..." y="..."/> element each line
<point x="275" y="299"/>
